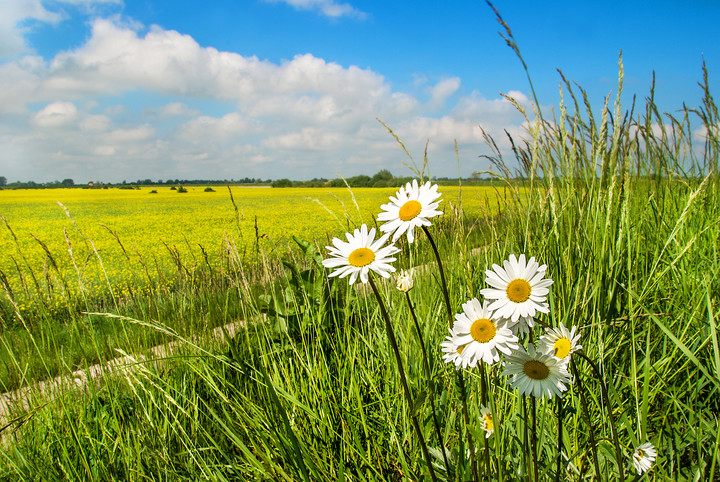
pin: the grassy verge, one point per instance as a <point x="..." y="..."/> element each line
<point x="621" y="209"/>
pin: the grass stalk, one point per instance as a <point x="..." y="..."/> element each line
<point x="431" y="384"/>
<point x="459" y="375"/>
<point x="588" y="420"/>
<point x="611" y="417"/>
<point x="403" y="380"/>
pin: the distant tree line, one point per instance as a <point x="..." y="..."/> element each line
<point x="35" y="185"/>
<point x="127" y="184"/>
<point x="245" y="180"/>
<point x="382" y="178"/>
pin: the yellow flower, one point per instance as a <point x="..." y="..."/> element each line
<point x="486" y="421"/>
<point x="560" y="343"/>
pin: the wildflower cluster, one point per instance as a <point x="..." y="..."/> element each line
<point x="411" y="207"/>
<point x="498" y="326"/>
<point x="518" y="292"/>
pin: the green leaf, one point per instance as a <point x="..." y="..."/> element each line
<point x="419" y="401"/>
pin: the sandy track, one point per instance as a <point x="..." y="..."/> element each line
<point x="24" y="399"/>
<point x="19" y="402"/>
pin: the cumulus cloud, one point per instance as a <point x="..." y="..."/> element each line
<point x="56" y="114"/>
<point x="14" y="15"/>
<point x="173" y="110"/>
<point x="228" y="127"/>
<point x="95" y="123"/>
<point x="300" y="118"/>
<point x="329" y="8"/>
<point x="17" y="17"/>
<point x="440" y="92"/>
<point x="310" y="138"/>
<point x="118" y="59"/>
<point x="702" y="133"/>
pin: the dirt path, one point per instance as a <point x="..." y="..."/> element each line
<point x="26" y="398"/>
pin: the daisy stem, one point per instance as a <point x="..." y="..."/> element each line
<point x="459" y="375"/>
<point x="533" y="427"/>
<point x="484" y="399"/>
<point x="466" y="419"/>
<point x="611" y="419"/>
<point x="431" y="383"/>
<point x="443" y="283"/>
<point x="403" y="380"/>
<point x="560" y="439"/>
<point x="591" y="433"/>
<point x="526" y="444"/>
<point x="533" y="437"/>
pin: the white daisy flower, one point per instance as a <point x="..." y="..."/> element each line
<point x="535" y="373"/>
<point x="522" y="326"/>
<point x="411" y="207"/>
<point x="560" y="343"/>
<point x="643" y="457"/>
<point x="453" y="351"/>
<point x="405" y="280"/>
<point x="518" y="289"/>
<point x="360" y="255"/>
<point x="486" y="421"/>
<point x="478" y="329"/>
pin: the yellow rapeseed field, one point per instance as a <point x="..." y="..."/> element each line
<point x="61" y="242"/>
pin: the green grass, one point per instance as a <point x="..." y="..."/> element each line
<point x="625" y="217"/>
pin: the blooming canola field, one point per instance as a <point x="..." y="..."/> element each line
<point x="62" y="241"/>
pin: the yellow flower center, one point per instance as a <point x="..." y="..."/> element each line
<point x="482" y="330"/>
<point x="640" y="454"/>
<point x="460" y="349"/>
<point x="488" y="422"/>
<point x="518" y="290"/>
<point x="410" y="210"/>
<point x="536" y="370"/>
<point x="361" y="257"/>
<point x="562" y="347"/>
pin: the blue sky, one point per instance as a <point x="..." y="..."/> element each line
<point x="114" y="90"/>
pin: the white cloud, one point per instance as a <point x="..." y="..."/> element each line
<point x="300" y="118"/>
<point x="173" y="110"/>
<point x="701" y="133"/>
<point x="445" y="130"/>
<point x="116" y="59"/>
<point x="310" y="138"/>
<point x="440" y="92"/>
<point x="487" y="111"/>
<point x="16" y="17"/>
<point x="104" y="151"/>
<point x="13" y="15"/>
<point x="329" y="8"/>
<point x="90" y="3"/>
<point x="205" y="128"/>
<point x="116" y="110"/>
<point x="124" y="136"/>
<point x="177" y="109"/>
<point x="56" y="114"/>
<point x="95" y="123"/>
